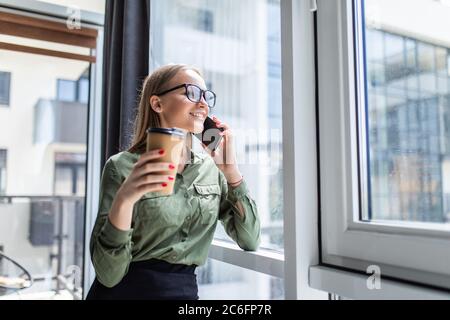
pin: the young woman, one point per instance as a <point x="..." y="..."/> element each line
<point x="145" y="246"/>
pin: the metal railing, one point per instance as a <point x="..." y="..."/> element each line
<point x="56" y="222"/>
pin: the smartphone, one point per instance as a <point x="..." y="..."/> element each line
<point x="211" y="134"/>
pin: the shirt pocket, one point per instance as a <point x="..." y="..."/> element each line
<point x="209" y="201"/>
<point x="155" y="209"/>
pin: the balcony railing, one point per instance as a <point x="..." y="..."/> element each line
<point x="46" y="235"/>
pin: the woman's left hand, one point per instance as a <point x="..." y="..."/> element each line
<point x="225" y="156"/>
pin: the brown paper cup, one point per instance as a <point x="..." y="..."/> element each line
<point x="172" y="141"/>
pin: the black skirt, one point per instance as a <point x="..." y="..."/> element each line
<point x="150" y="280"/>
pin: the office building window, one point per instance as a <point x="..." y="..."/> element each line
<point x="70" y="174"/>
<point x="73" y="90"/>
<point x="83" y="90"/>
<point x="3" y="154"/>
<point x="5" y="81"/>
<point x="205" y="20"/>
<point x="67" y="90"/>
<point x="196" y="18"/>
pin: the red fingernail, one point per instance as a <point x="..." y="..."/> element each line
<point x="170" y="178"/>
<point x="161" y="151"/>
<point x="171" y="166"/>
<point x="164" y="184"/>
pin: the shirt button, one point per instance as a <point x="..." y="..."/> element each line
<point x="188" y="218"/>
<point x="186" y="195"/>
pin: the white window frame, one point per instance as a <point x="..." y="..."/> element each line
<point x="94" y="169"/>
<point x="416" y="253"/>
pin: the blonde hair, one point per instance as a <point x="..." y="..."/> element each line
<point x="146" y="117"/>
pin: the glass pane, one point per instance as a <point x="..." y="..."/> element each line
<point x="2" y="171"/>
<point x="5" y="80"/>
<point x="222" y="281"/>
<point x="243" y="65"/>
<point x="407" y="87"/>
<point x="40" y="229"/>
<point x="67" y="90"/>
<point x="69" y="173"/>
<point x="63" y="180"/>
<point x="83" y="90"/>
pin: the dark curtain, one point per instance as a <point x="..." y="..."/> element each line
<point x="125" y="65"/>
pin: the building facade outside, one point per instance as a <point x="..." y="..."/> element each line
<point x="408" y="86"/>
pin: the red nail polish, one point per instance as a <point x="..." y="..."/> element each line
<point x="171" y="166"/>
<point x="164" y="184"/>
<point x="161" y="151"/>
<point x="170" y="178"/>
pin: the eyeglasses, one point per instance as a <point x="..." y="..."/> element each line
<point x="194" y="93"/>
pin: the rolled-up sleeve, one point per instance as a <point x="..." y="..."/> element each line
<point x="245" y="231"/>
<point x="110" y="247"/>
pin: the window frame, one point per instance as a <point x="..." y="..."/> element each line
<point x="93" y="156"/>
<point x="347" y="242"/>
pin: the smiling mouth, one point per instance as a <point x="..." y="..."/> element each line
<point x="199" y="116"/>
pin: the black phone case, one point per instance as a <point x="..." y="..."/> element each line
<point x="210" y="135"/>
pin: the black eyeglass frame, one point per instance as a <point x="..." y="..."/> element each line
<point x="186" y="85"/>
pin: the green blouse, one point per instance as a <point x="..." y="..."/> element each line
<point x="178" y="228"/>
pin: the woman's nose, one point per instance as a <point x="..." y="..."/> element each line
<point x="203" y="101"/>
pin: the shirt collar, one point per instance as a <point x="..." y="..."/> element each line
<point x="196" y="157"/>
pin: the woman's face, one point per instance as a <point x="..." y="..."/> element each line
<point x="176" y="110"/>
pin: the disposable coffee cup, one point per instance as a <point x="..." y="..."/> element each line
<point x="172" y="141"/>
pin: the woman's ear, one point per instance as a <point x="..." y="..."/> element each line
<point x="155" y="104"/>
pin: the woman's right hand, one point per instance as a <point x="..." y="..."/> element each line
<point x="145" y="177"/>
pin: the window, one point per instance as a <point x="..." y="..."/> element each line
<point x="3" y="154"/>
<point x="74" y="91"/>
<point x="200" y="19"/>
<point x="244" y="66"/>
<point x="45" y="134"/>
<point x="223" y="281"/>
<point x="384" y="170"/>
<point x="69" y="174"/>
<point x="83" y="90"/>
<point x="205" y="20"/>
<point x="414" y="115"/>
<point x="67" y="90"/>
<point x="5" y="79"/>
